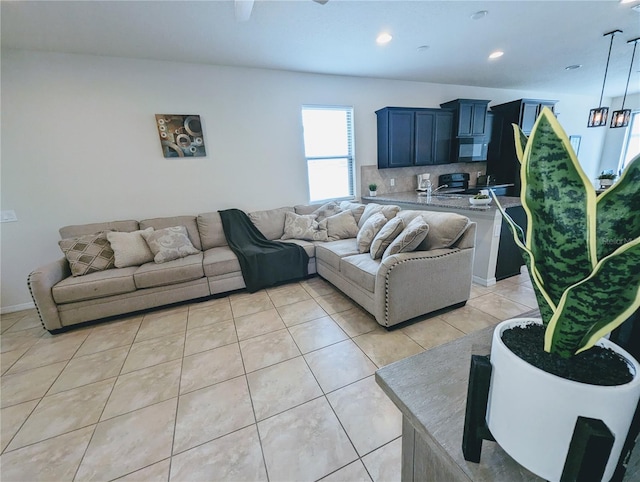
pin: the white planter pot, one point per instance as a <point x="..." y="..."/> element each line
<point x="532" y="413"/>
<point x="372" y="193"/>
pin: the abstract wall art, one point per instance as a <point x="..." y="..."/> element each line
<point x="180" y="135"/>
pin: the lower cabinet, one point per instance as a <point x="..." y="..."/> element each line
<point x="509" y="257"/>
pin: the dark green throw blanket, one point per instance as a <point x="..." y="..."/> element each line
<point x="264" y="263"/>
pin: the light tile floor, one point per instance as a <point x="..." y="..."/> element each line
<point x="277" y="385"/>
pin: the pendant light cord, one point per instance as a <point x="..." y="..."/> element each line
<point x="606" y="69"/>
<point x="635" y="44"/>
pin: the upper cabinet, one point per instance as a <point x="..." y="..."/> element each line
<point x="413" y="137"/>
<point x="470" y="116"/>
<point x="524" y="112"/>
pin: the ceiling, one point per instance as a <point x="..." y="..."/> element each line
<point x="539" y="38"/>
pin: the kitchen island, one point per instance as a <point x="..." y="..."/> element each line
<point x="495" y="249"/>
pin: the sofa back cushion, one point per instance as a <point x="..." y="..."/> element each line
<point x="81" y="229"/>
<point x="270" y="222"/>
<point x="211" y="230"/>
<point x="188" y="222"/>
<point x="444" y="228"/>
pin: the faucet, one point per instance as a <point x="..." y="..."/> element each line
<point x="440" y="187"/>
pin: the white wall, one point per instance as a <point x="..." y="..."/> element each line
<point x="79" y="142"/>
<point x="614" y="138"/>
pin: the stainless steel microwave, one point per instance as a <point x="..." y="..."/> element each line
<point x="472" y="149"/>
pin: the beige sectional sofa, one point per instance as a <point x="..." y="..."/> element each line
<point x="436" y="275"/>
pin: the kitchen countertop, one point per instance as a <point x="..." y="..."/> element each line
<point x="443" y="199"/>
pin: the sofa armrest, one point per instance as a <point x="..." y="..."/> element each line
<point x="468" y="238"/>
<point x="40" y="282"/>
<point x="412" y="284"/>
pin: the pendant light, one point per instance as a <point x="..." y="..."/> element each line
<point x="598" y="116"/>
<point x="620" y="118"/>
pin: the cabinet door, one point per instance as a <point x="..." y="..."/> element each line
<point x="401" y="138"/>
<point x="550" y="105"/>
<point x="442" y="137"/>
<point x="465" y="119"/>
<point x="479" y="116"/>
<point x="424" y="147"/>
<point x="528" y="116"/>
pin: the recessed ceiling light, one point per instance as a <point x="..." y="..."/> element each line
<point x="422" y="48"/>
<point x="480" y="14"/>
<point x="496" y="54"/>
<point x="384" y="38"/>
<point x="573" y="67"/>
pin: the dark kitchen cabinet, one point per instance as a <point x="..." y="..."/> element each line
<point x="510" y="258"/>
<point x="470" y="116"/>
<point x="502" y="162"/>
<point x="413" y="137"/>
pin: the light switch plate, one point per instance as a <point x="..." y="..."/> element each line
<point x="8" y="216"/>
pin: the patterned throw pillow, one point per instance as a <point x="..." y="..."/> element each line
<point x="169" y="243"/>
<point x="368" y="231"/>
<point x="88" y="254"/>
<point x="130" y="248"/>
<point x="327" y="210"/>
<point x="385" y="237"/>
<point x="409" y="239"/>
<point x="298" y="226"/>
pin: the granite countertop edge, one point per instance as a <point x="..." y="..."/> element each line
<point x="460" y="201"/>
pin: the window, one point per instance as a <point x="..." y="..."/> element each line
<point x="631" y="147"/>
<point x="328" y="148"/>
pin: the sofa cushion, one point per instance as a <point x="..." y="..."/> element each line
<point x="360" y="269"/>
<point x="409" y="238"/>
<point x="188" y="222"/>
<point x="270" y="222"/>
<point x="211" y="230"/>
<point x="88" y="254"/>
<point x="308" y="246"/>
<point x="330" y="253"/>
<point x="299" y="226"/>
<point x="444" y="228"/>
<point x="95" y="285"/>
<point x="171" y="272"/>
<point x="130" y="249"/>
<point x="390" y="231"/>
<point x="168" y="244"/>
<point x="82" y="229"/>
<point x="340" y="226"/>
<point x="219" y="261"/>
<point x="368" y="231"/>
<point x="388" y="210"/>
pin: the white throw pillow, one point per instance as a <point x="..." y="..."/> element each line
<point x="409" y="238"/>
<point x="169" y="243"/>
<point x="385" y="237"/>
<point x="327" y="210"/>
<point x="389" y="211"/>
<point x="303" y="226"/>
<point x="368" y="231"/>
<point x="130" y="249"/>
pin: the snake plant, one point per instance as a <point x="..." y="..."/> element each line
<point x="582" y="250"/>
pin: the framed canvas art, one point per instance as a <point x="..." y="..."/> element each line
<point x="180" y="135"/>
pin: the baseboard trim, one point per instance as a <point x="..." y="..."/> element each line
<point x="484" y="281"/>
<point x="12" y="309"/>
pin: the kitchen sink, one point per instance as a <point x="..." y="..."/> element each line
<point x="449" y="196"/>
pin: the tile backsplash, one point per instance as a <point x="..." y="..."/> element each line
<point x="405" y="177"/>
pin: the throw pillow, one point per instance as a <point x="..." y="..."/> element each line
<point x="299" y="226"/>
<point x="130" y="249"/>
<point x="169" y="243"/>
<point x="88" y="254"/>
<point x="368" y="231"/>
<point x="340" y="226"/>
<point x="409" y="238"/>
<point x="389" y="211"/>
<point x="327" y="210"/>
<point x="385" y="237"/>
<point x="356" y="208"/>
<point x="444" y="228"/>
